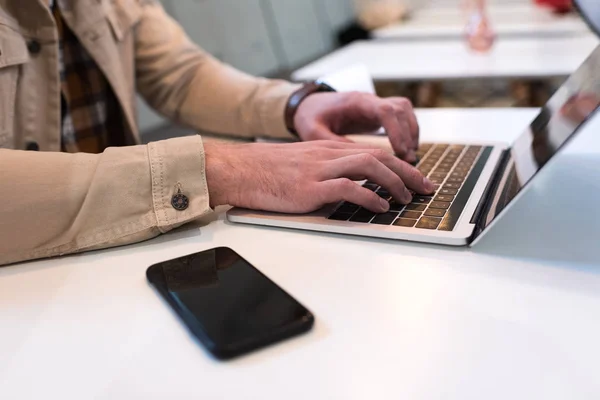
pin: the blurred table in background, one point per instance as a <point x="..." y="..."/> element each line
<point x="512" y="59"/>
<point x="508" y="20"/>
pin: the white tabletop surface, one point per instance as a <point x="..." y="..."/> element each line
<point x="393" y="320"/>
<point x="522" y="20"/>
<point x="452" y="59"/>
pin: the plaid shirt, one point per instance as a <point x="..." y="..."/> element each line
<point x="91" y="115"/>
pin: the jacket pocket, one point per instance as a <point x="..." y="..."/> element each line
<point x="13" y="54"/>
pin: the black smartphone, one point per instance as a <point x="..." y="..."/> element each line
<point x="229" y="305"/>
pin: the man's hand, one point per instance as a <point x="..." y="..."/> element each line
<point x="303" y="177"/>
<point x="325" y="116"/>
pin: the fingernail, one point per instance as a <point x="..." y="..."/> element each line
<point x="412" y="156"/>
<point x="428" y="185"/>
<point x="385" y="206"/>
<point x="407" y="196"/>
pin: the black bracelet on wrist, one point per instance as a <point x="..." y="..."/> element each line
<point x="298" y="97"/>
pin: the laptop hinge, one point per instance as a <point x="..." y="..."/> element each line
<point x="487" y="199"/>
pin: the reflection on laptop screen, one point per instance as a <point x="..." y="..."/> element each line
<point x="576" y="100"/>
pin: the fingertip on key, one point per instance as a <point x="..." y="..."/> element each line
<point x="385" y="206"/>
<point x="428" y="185"/>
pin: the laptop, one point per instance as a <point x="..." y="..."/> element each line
<point x="475" y="182"/>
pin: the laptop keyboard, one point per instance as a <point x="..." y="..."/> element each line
<point x="454" y="169"/>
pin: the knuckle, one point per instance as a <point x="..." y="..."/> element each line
<point x="345" y="184"/>
<point x="380" y="154"/>
<point x="366" y="159"/>
<point x="354" y="97"/>
<point x="386" y="108"/>
<point x="405" y="102"/>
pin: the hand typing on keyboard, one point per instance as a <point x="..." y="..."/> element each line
<point x="447" y="167"/>
<point x="325" y="116"/>
<point x="303" y="177"/>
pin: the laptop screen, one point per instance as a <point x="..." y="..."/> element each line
<point x="575" y="101"/>
<point x="590" y="11"/>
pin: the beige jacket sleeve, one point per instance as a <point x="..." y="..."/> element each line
<point x="190" y="86"/>
<point x="56" y="203"/>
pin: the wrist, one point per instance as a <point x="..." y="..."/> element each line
<point x="296" y="100"/>
<point x="219" y="176"/>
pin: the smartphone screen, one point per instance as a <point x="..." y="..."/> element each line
<point x="227" y="303"/>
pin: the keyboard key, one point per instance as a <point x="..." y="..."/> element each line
<point x="411" y="214"/>
<point x="436" y="181"/>
<point x="348" y="208"/>
<point x="395" y="206"/>
<point x="339" y="216"/>
<point x="444" y="197"/>
<point x="444" y="190"/>
<point x="452" y="185"/>
<point x="429" y="223"/>
<point x="384" y="193"/>
<point x="443" y="205"/>
<point x="385" y="219"/>
<point x="464" y="171"/>
<point x="416" y="207"/>
<point x="371" y="186"/>
<point x="363" y="215"/>
<point x="439" y="175"/>
<point x="455" y="180"/>
<point x="422" y="199"/>
<point x="434" y="212"/>
<point x="408" y="223"/>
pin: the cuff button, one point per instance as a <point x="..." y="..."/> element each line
<point x="180" y="201"/>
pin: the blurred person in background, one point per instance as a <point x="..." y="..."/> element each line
<point x="73" y="176"/>
<point x="558" y="6"/>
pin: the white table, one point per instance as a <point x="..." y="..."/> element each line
<point x="446" y="60"/>
<point x="521" y="20"/>
<point x="394" y="320"/>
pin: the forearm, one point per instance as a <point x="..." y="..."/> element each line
<point x="56" y="203"/>
<point x="190" y="86"/>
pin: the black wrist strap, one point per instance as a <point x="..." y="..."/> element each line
<point x="298" y="97"/>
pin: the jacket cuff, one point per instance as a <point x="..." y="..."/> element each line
<point x="177" y="163"/>
<point x="272" y="111"/>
